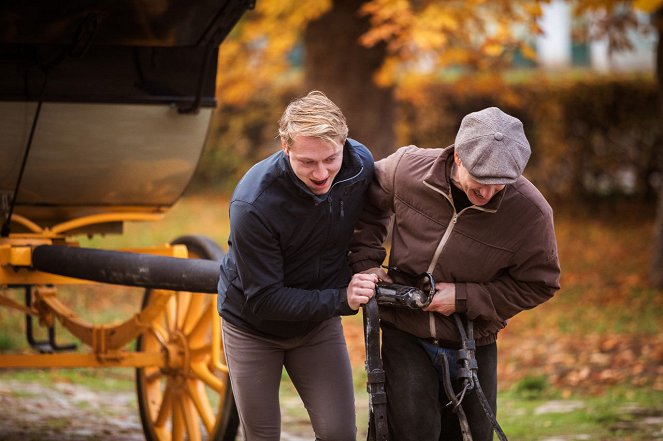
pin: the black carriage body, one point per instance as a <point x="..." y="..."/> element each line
<point x="112" y="97"/>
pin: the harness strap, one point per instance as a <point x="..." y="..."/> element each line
<point x="455" y="400"/>
<point x="469" y="368"/>
<point x="488" y="411"/>
<point x="378" y="429"/>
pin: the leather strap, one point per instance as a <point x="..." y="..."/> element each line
<point x="378" y="429"/>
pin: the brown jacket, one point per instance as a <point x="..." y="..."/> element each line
<point x="502" y="256"/>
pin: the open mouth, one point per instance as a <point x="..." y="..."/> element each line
<point x="319" y="187"/>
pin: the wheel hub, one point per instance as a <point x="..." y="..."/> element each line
<point x="176" y="354"/>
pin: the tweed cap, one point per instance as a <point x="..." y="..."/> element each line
<point x="492" y="146"/>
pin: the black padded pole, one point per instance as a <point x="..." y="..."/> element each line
<point x="131" y="269"/>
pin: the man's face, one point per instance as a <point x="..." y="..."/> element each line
<point x="478" y="194"/>
<point x="316" y="162"/>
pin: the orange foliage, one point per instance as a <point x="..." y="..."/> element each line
<point x="421" y="37"/>
<point x="256" y="52"/>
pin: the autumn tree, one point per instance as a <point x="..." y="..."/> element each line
<point x="656" y="270"/>
<point x="357" y="51"/>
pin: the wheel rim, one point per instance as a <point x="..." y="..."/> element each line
<point x="189" y="397"/>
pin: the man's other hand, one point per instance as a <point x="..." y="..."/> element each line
<point x="380" y="272"/>
<point x="444" y="300"/>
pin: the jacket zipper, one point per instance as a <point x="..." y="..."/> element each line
<point x="452" y="223"/>
<point x="347" y="179"/>
<point x="330" y="201"/>
<point x="442" y="244"/>
<point x="447" y="232"/>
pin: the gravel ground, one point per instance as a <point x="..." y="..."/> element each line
<point x="63" y="411"/>
<point x="33" y="411"/>
<point x="70" y="412"/>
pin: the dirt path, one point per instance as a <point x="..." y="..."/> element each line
<point x="32" y="411"/>
<point x="71" y="412"/>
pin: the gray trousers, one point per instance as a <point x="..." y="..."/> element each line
<point x="319" y="367"/>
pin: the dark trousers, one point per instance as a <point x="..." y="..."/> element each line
<point x="416" y="401"/>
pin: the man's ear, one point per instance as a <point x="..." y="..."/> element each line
<point x="284" y="147"/>
<point x="457" y="159"/>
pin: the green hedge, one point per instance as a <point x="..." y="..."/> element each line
<point x="592" y="139"/>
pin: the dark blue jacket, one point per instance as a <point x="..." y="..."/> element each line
<point x="286" y="269"/>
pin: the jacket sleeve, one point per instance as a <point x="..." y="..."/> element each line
<point x="366" y="248"/>
<point x="260" y="267"/>
<point x="531" y="279"/>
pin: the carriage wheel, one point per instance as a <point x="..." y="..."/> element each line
<point x="190" y="398"/>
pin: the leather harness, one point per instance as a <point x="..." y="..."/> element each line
<point x="467" y="364"/>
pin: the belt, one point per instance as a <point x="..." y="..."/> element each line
<point x="444" y="344"/>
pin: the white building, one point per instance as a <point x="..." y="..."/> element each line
<point x="558" y="49"/>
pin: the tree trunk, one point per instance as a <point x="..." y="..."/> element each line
<point x="656" y="271"/>
<point x="338" y="65"/>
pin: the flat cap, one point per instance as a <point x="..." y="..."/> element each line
<point x="492" y="146"/>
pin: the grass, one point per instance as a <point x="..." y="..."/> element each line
<point x="619" y="413"/>
<point x="104" y="380"/>
<point x="598" y="342"/>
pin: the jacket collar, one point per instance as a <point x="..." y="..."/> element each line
<point x="439" y="177"/>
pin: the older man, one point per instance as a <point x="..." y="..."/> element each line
<point x="467" y="215"/>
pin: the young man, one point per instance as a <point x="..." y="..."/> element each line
<point x="467" y="215"/>
<point x="285" y="279"/>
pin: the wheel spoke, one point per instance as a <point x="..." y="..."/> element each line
<point x="200" y="399"/>
<point x="190" y="418"/>
<point x="163" y="433"/>
<point x="201" y="331"/>
<point x="170" y="312"/>
<point x="178" y="420"/>
<point x="201" y="353"/>
<point x="203" y="373"/>
<point x="160" y="336"/>
<point x="166" y="405"/>
<point x="183" y="299"/>
<point x="196" y="310"/>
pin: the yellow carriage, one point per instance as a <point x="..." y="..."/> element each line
<point x="104" y="111"/>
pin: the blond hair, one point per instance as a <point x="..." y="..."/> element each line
<point x="314" y="115"/>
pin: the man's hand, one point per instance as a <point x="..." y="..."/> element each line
<point x="444" y="300"/>
<point x="380" y="272"/>
<point x="361" y="289"/>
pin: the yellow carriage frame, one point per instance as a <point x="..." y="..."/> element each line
<point x="179" y="361"/>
